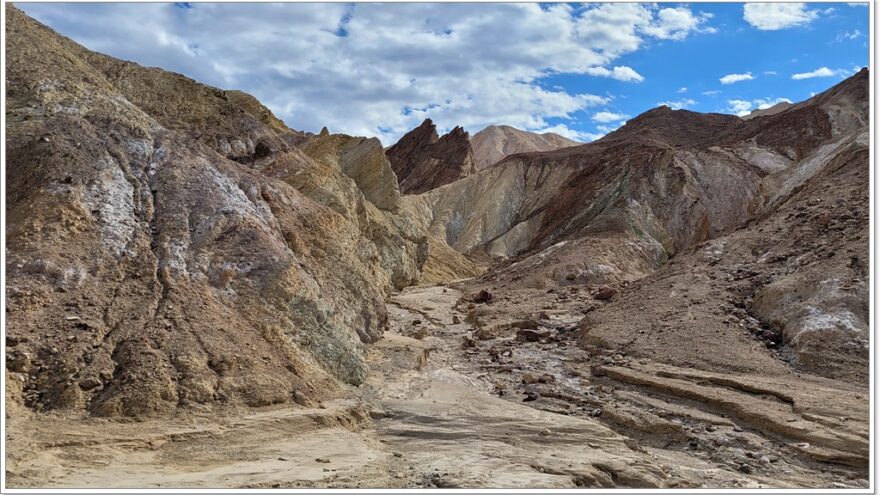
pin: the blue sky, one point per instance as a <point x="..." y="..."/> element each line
<point x="577" y="69"/>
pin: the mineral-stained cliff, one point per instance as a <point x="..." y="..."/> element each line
<point x="423" y="161"/>
<point x="497" y="142"/>
<point x="167" y="245"/>
<point x="618" y="209"/>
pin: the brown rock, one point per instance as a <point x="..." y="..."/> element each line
<point x="604" y="293"/>
<point x="532" y="335"/>
<point x="424" y="161"/>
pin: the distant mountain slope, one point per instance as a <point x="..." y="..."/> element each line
<point x="496" y="142"/>
<point x="618" y="209"/>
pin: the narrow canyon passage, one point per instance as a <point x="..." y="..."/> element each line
<point x="447" y="406"/>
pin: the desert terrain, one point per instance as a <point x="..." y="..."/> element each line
<point x="198" y="296"/>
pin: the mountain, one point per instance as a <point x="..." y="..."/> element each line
<point x="423" y="161"/>
<point x="167" y="245"/>
<point x="621" y="208"/>
<point x="768" y="111"/>
<point x="682" y="303"/>
<point x="496" y="142"/>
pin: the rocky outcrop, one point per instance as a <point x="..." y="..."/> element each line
<point x="497" y="142"/>
<point x="424" y="161"/>
<point x="623" y="207"/>
<point x="167" y="246"/>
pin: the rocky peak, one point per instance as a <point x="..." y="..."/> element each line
<point x="423" y="161"/>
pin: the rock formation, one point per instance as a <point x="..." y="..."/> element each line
<point x="620" y="208"/>
<point x="424" y="161"/>
<point x="682" y="303"/>
<point x="167" y="245"/>
<point x="496" y="142"/>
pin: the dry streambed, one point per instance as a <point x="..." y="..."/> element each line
<point x="508" y="404"/>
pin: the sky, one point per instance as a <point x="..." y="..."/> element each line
<point x="580" y="70"/>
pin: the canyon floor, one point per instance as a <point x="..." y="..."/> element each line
<point x="444" y="407"/>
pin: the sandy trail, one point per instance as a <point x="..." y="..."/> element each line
<point x="435" y="413"/>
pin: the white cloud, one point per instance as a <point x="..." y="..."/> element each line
<point x="711" y="93"/>
<point x="744" y="107"/>
<point x="621" y="73"/>
<point x="678" y="104"/>
<point x="733" y="78"/>
<point x="606" y="117"/>
<point x="764" y="103"/>
<point x="774" y="16"/>
<point x="682" y="89"/>
<point x="378" y="69"/>
<point x="677" y="23"/>
<point x="739" y="107"/>
<point x="769" y="72"/>
<point x="820" y="72"/>
<point x="848" y="35"/>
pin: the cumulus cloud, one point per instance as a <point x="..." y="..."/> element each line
<point x="621" y="73"/>
<point x="379" y="69"/>
<point x="820" y="72"/>
<point x="745" y="107"/>
<point x="775" y="16"/>
<point x="733" y="78"/>
<point x="678" y="104"/>
<point x="606" y="117"/>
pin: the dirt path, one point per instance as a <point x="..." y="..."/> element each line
<point x="444" y="409"/>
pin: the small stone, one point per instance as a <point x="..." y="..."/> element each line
<point x="604" y="293"/>
<point x="397" y="454"/>
<point x="482" y="297"/>
<point x="527" y="335"/>
<point x="322" y="460"/>
<point x="90" y="383"/>
<point x="737" y="428"/>
<point x="301" y="398"/>
<point x="764" y="460"/>
<point x="18" y="361"/>
<point x="456" y="320"/>
<point x="745" y="468"/>
<point x="71" y="318"/>
<point x="545" y="432"/>
<point x="529" y="378"/>
<point x="596" y="412"/>
<point x="547" y="378"/>
<point x="282" y="458"/>
<point x="711" y="428"/>
<point x="417" y="322"/>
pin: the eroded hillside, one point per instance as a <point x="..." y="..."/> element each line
<point x="683" y="303"/>
<point x="167" y="246"/>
